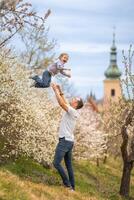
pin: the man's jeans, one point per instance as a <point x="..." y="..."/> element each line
<point x="64" y="150"/>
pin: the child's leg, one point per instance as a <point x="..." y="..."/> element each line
<point x="38" y="81"/>
<point x="36" y="78"/>
<point x="44" y="82"/>
<point x="46" y="79"/>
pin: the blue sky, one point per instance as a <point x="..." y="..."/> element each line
<point x="83" y="28"/>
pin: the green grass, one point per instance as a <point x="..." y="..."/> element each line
<point x="98" y="181"/>
<point x="11" y="191"/>
<point x="91" y="181"/>
<point x="28" y="169"/>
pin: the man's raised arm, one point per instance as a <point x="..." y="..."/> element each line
<point x="60" y="96"/>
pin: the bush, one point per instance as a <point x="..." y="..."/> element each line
<point x="28" y="119"/>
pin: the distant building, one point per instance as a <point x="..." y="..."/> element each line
<point x="112" y="87"/>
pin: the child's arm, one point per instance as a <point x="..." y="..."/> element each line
<point x="66" y="69"/>
<point x="62" y="68"/>
<point x="65" y="73"/>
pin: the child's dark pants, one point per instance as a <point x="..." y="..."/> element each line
<point x="43" y="82"/>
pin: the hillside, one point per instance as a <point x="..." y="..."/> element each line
<point x="27" y="180"/>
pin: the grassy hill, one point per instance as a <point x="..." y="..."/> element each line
<point x="27" y="180"/>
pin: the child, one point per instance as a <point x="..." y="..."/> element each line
<point x="52" y="70"/>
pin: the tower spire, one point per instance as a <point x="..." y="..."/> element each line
<point x="113" y="71"/>
<point x="114" y="29"/>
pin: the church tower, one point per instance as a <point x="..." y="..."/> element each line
<point x="112" y="89"/>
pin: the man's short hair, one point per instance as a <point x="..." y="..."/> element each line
<point x="80" y="103"/>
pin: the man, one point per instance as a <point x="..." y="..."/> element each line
<point x="66" y="136"/>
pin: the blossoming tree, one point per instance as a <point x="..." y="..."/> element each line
<point x="90" y="140"/>
<point x="28" y="119"/>
<point x="119" y="122"/>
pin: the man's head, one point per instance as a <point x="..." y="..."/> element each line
<point x="76" y="103"/>
<point x="64" y="57"/>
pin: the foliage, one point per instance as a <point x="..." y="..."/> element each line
<point x="90" y="140"/>
<point x="115" y="118"/>
<point x="14" y="16"/>
<point x="128" y="80"/>
<point x="119" y="123"/>
<point x="28" y="119"/>
<point x="38" y="50"/>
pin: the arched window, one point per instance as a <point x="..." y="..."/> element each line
<point x="112" y="92"/>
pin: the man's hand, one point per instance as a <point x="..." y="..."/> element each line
<point x="54" y="86"/>
<point x="59" y="96"/>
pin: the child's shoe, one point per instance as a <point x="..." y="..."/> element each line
<point x="33" y="77"/>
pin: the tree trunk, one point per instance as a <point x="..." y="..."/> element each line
<point x="128" y="164"/>
<point x="125" y="181"/>
<point x="105" y="160"/>
<point x="97" y="162"/>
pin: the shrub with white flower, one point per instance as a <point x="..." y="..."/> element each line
<point x="28" y="118"/>
<point x="119" y="123"/>
<point x="91" y="142"/>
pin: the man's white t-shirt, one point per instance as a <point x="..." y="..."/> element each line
<point x="67" y="124"/>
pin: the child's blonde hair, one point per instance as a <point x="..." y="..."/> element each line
<point x="63" y="54"/>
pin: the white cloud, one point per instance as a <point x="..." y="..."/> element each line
<point x="76" y="4"/>
<point x="87" y="80"/>
<point x="84" y="47"/>
<point x="88" y="47"/>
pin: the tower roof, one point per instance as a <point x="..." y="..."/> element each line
<point x="113" y="71"/>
